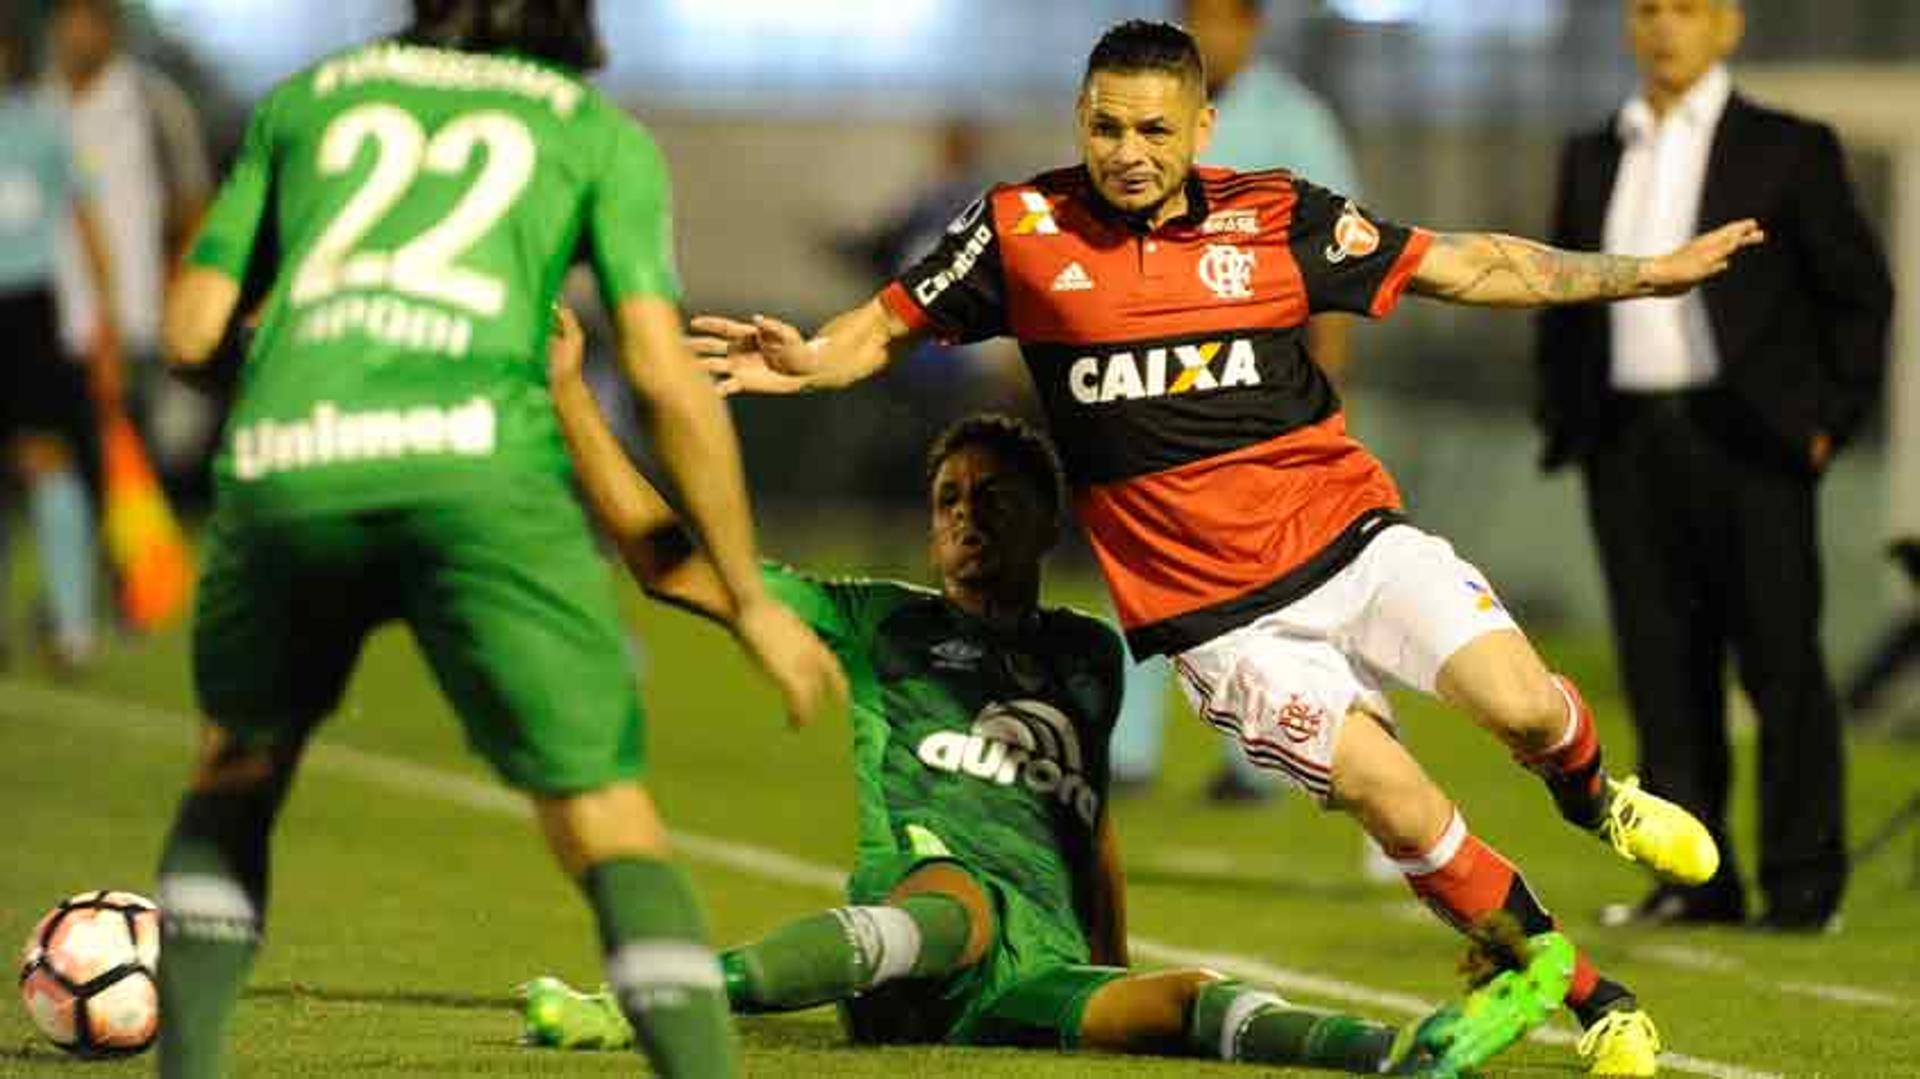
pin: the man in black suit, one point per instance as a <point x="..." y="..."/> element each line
<point x="1702" y="425"/>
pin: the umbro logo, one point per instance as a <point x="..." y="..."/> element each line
<point x="957" y="655"/>
<point x="1072" y="279"/>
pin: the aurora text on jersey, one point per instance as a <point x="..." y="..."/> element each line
<point x="983" y="747"/>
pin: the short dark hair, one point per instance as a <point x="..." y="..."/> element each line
<point x="1016" y="441"/>
<point x="1144" y="45"/>
<point x="560" y="32"/>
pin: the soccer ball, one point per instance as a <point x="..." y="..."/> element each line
<point x="87" y="974"/>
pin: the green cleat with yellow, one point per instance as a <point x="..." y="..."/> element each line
<point x="555" y="1015"/>
<point x="1460" y="1037"/>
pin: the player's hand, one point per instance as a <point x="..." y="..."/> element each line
<point x="1820" y="451"/>
<point x="808" y="676"/>
<point x="566" y="348"/>
<point x="765" y="355"/>
<point x="1705" y="256"/>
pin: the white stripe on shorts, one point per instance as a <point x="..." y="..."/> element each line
<point x="1267" y="753"/>
<point x="1272" y="755"/>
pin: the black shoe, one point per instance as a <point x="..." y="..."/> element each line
<point x="1672" y="904"/>
<point x="1801" y="908"/>
<point x="1811" y="922"/>
<point x="1907" y="553"/>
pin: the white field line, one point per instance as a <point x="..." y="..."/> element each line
<point x="1847" y="994"/>
<point x="1687" y="957"/>
<point x="1707" y="960"/>
<point x="54" y="706"/>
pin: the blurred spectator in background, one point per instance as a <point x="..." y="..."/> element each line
<point x="913" y="229"/>
<point x="45" y="419"/>
<point x="938" y="380"/>
<point x="1702" y="425"/>
<point x="140" y="149"/>
<point x="1267" y="119"/>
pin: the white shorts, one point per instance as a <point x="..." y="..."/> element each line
<point x="1284" y="683"/>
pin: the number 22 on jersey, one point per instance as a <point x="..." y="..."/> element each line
<point x="427" y="266"/>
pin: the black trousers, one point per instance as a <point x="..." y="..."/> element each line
<point x="1708" y="539"/>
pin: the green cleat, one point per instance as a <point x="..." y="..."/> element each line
<point x="557" y="1016"/>
<point x="1417" y="1049"/>
<point x="1460" y="1037"/>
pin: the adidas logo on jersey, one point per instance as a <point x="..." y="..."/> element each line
<point x="1124" y="376"/>
<point x="1027" y="742"/>
<point x="1072" y="279"/>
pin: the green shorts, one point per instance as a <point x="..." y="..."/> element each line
<point x="1031" y="989"/>
<point x="505" y="595"/>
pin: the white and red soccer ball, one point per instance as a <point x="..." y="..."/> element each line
<point x="87" y="974"/>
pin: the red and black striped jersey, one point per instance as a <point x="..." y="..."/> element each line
<point x="1210" y="463"/>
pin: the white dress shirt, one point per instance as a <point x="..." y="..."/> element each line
<point x="121" y="126"/>
<point x="1663" y="343"/>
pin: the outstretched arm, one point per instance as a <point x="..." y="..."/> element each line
<point x="766" y="355"/>
<point x="200" y="303"/>
<point x="657" y="548"/>
<point x="1107" y="910"/>
<point x="1489" y="269"/>
<point x="105" y="358"/>
<point x="694" y="437"/>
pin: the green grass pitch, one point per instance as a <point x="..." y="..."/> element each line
<point x="411" y="894"/>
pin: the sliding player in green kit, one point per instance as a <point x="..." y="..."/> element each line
<point x="985" y="901"/>
<point x="393" y="456"/>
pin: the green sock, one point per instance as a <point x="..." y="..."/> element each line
<point x="1232" y="1021"/>
<point x="847" y="950"/>
<point x="660" y="968"/>
<point x="212" y="892"/>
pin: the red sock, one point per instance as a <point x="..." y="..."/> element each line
<point x="1586" y="978"/>
<point x="1463" y="880"/>
<point x="1580" y="750"/>
<point x="1572" y="769"/>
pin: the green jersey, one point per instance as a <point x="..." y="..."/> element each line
<point x="415" y="210"/>
<point x="968" y="744"/>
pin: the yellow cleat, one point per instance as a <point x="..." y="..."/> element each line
<point x="1621" y="1045"/>
<point x="1658" y="834"/>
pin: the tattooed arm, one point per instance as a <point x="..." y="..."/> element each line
<point x="1488" y="269"/>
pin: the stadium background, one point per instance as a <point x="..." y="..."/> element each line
<point x="791" y="125"/>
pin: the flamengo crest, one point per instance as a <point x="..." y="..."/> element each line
<point x="1228" y="271"/>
